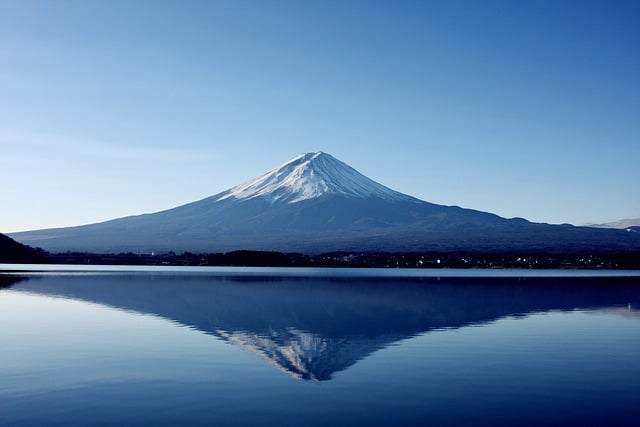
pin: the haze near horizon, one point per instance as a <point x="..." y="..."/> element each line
<point x="117" y="108"/>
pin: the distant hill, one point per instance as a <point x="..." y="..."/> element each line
<point x="623" y="223"/>
<point x="315" y="203"/>
<point x="14" y="252"/>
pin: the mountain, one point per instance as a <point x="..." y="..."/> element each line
<point x="312" y="328"/>
<point x="14" y="252"/>
<point x="316" y="203"/>
<point x="623" y="223"/>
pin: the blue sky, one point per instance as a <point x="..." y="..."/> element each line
<point x="111" y="108"/>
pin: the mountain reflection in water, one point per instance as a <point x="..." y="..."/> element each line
<point x="314" y="327"/>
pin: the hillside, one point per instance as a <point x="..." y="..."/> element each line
<point x="14" y="252"/>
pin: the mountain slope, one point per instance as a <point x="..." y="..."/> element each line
<point x="316" y="203"/>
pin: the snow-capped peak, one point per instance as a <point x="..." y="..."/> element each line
<point x="309" y="176"/>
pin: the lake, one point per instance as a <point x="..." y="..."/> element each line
<point x="151" y="346"/>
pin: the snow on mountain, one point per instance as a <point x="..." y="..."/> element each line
<point x="309" y="176"/>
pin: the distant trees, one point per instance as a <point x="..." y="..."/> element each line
<point x="257" y="259"/>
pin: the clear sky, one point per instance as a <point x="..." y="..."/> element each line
<point x="112" y="108"/>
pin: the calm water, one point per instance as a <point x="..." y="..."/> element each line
<point x="309" y="348"/>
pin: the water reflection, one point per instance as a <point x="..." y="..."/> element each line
<point x="7" y="280"/>
<point x="315" y="327"/>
